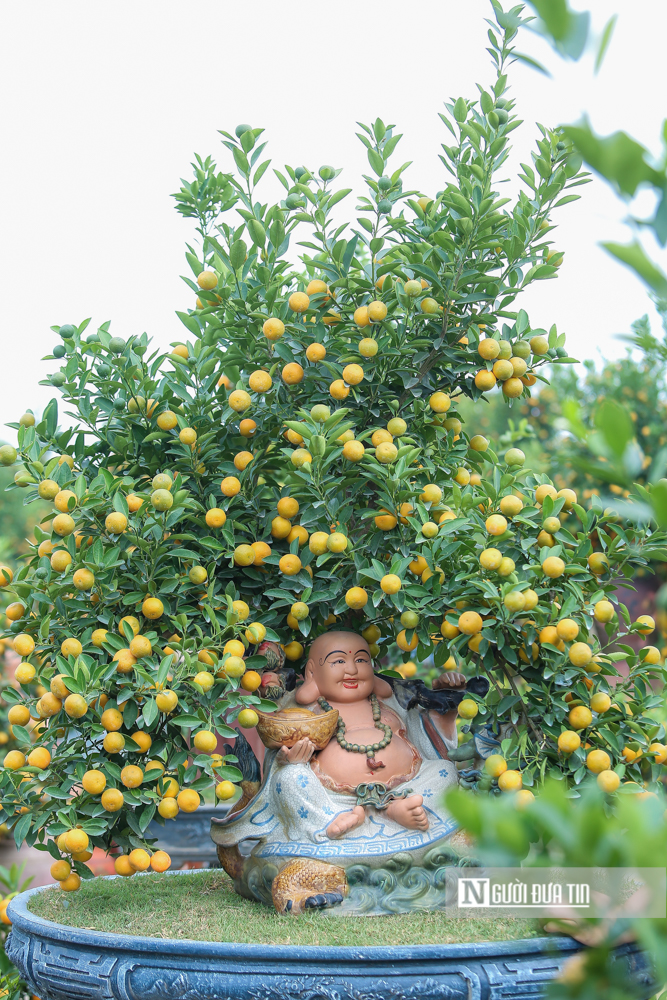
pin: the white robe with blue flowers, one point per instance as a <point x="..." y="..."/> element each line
<point x="290" y="814"/>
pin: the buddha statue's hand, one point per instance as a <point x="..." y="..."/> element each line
<point x="451" y="679"/>
<point x="300" y="753"/>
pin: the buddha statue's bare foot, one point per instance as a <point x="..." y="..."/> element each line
<point x="409" y="812"/>
<point x="346" y="822"/>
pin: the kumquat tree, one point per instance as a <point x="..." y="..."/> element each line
<point x="298" y="460"/>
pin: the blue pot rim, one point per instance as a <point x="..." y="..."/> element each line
<point x="26" y="921"/>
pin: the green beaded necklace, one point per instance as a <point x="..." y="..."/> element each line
<point x="370" y="749"/>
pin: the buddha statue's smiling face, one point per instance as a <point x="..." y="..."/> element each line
<point x="339" y="669"/>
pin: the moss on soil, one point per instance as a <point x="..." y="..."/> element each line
<point x="204" y="907"/>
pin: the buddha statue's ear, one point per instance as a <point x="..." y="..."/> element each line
<point x="381" y="688"/>
<point x="309" y="691"/>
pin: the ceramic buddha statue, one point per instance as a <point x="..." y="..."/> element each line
<point x="373" y="793"/>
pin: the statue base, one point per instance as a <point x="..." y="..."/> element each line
<point x="401" y="883"/>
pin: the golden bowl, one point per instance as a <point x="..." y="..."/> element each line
<point x="289" y="725"/>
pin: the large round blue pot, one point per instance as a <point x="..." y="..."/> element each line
<point x="62" y="963"/>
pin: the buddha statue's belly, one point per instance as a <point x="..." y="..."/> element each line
<point x="350" y="769"/>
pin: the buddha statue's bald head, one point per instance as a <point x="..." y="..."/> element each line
<point x="339" y="669"/>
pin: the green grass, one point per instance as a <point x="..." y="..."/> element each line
<point x="204" y="907"/>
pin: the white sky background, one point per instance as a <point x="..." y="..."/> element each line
<point x="104" y="104"/>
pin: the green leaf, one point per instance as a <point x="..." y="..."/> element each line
<point x="572" y="413"/>
<point x="634" y="257"/>
<point x="486" y="102"/>
<point x="338" y="196"/>
<point x="277" y="232"/>
<point x="555" y="16"/>
<point x="21" y="829"/>
<point x="50" y="417"/>
<point x="187" y="720"/>
<point x="228" y="773"/>
<point x="616" y="425"/>
<point x="146" y="816"/>
<point x="241" y="161"/>
<point x="150" y="712"/>
<point x="659" y="224"/>
<point x="237" y="254"/>
<point x="259" y="173"/>
<point x="604" y="41"/>
<point x="567" y="29"/>
<point x="120" y="504"/>
<point x="195" y="265"/>
<point x="658" y="502"/>
<point x="54" y="792"/>
<point x="376" y="162"/>
<point x="257" y="232"/>
<point x="529" y="61"/>
<point x="224" y="730"/>
<point x="349" y="253"/>
<point x="128" y="632"/>
<point x="460" y="110"/>
<point x="618" y="158"/>
<point x="82" y="870"/>
<point x="302" y="429"/>
<point x="21" y="735"/>
<point x="567" y="199"/>
<point x="338" y="250"/>
<point x="539" y="272"/>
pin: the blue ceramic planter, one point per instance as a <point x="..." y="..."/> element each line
<point x="63" y="963"/>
